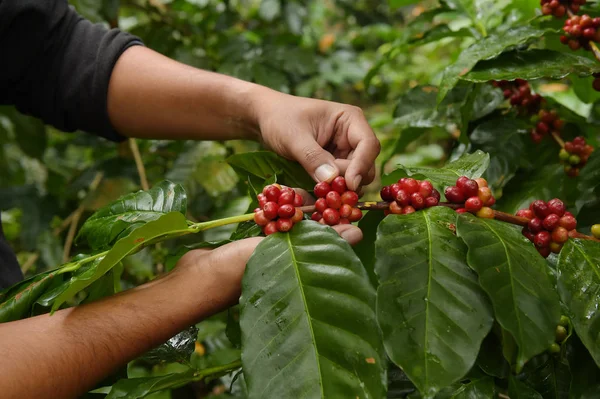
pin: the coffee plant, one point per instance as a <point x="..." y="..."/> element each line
<point x="479" y="272"/>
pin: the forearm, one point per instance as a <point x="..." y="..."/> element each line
<point x="70" y="351"/>
<point x="151" y="96"/>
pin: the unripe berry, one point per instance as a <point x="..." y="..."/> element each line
<point x="596" y="230"/>
<point x="568" y="222"/>
<point x="298" y="200"/>
<point x="574" y="159"/>
<point x="350" y="198"/>
<point x="431" y="202"/>
<point x="484" y="194"/>
<point x="270" y="228"/>
<point x="542" y="239"/>
<point x="525" y="213"/>
<point x="316" y="216"/>
<point x="331" y="216"/>
<point x="386" y="194"/>
<point x="555" y="247"/>
<point x="554" y="348"/>
<point x="561" y="333"/>
<point x="334" y="200"/>
<point x="417" y="201"/>
<point x="564" y="321"/>
<point x="535" y="225"/>
<point x="395" y="208"/>
<point x="556" y="207"/>
<point x="485" y="213"/>
<point x="321" y="189"/>
<point x="560" y="235"/>
<point x="271" y="208"/>
<point x="473" y="204"/>
<point x="345" y="211"/>
<point x="272" y="193"/>
<point x="260" y="218"/>
<point x="481" y="182"/>
<point x="468" y="187"/>
<point x="550" y="222"/>
<point x="408" y="209"/>
<point x="454" y="195"/>
<point x="425" y="188"/>
<point x="356" y="215"/>
<point x="321" y="205"/>
<point x="284" y="225"/>
<point x="339" y="184"/>
<point x="403" y="198"/>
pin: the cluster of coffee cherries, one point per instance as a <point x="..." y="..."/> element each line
<point x="580" y="31"/>
<point x="558" y="8"/>
<point x="548" y="122"/>
<point x="549" y="226"/>
<point x="520" y="96"/>
<point x="575" y="155"/>
<point x="409" y="195"/>
<point x="475" y="194"/>
<point x="560" y="335"/>
<point x="335" y="203"/>
<point x="278" y="209"/>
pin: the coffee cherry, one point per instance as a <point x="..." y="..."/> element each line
<point x="395" y="188"/>
<point x="556" y="207"/>
<point x="331" y="216"/>
<point x="286" y="211"/>
<point x="408" y="209"/>
<point x="284" y="225"/>
<point x="350" y="198"/>
<point x="316" y="216"/>
<point x="454" y="194"/>
<point x="417" y="201"/>
<point x="528" y="234"/>
<point x="271" y="209"/>
<point x="560" y="235"/>
<point x="568" y="222"/>
<point x="525" y="213"/>
<point x="550" y="222"/>
<point x="473" y="204"/>
<point x="321" y="205"/>
<point x="540" y="208"/>
<point x="485" y="213"/>
<point x="554" y="348"/>
<point x="468" y="187"/>
<point x="345" y="211"/>
<point x="461" y="210"/>
<point x="356" y="215"/>
<point x="260" y="218"/>
<point x="395" y="208"/>
<point x="596" y="230"/>
<point x="542" y="239"/>
<point x="481" y="182"/>
<point x="431" y="202"/>
<point x="344" y="221"/>
<point x="484" y="194"/>
<point x="564" y="321"/>
<point x="298" y="200"/>
<point x="270" y="228"/>
<point x="321" y="189"/>
<point x="561" y="333"/>
<point x="425" y="188"/>
<point x="436" y="194"/>
<point x="262" y="200"/>
<point x="535" y="225"/>
<point x="386" y="194"/>
<point x="403" y="198"/>
<point x="334" y="200"/>
<point x="339" y="184"/>
<point x="272" y="193"/>
<point x="410" y="185"/>
<point x="555" y="247"/>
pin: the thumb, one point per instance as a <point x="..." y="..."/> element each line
<point x="320" y="164"/>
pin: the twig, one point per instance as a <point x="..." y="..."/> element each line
<point x="557" y="138"/>
<point x="77" y="215"/>
<point x="32" y="259"/>
<point x="139" y="164"/>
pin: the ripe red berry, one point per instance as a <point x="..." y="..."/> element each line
<point x="356" y="215"/>
<point x="386" y="194"/>
<point x="461" y="181"/>
<point x="334" y="200"/>
<point x="262" y="199"/>
<point x="298" y="200"/>
<point x="473" y="204"/>
<point x="545" y="252"/>
<point x="431" y="202"/>
<point x="331" y="216"/>
<point x="270" y="228"/>
<point x="436" y="194"/>
<point x="271" y="208"/>
<point x="345" y="211"/>
<point x="454" y="195"/>
<point x="408" y="209"/>
<point x="394" y="189"/>
<point x="298" y="216"/>
<point x="286" y="211"/>
<point x="321" y="189"/>
<point x="528" y="234"/>
<point x="525" y="213"/>
<point x="321" y="205"/>
<point x="284" y="225"/>
<point x="535" y="225"/>
<point x="568" y="222"/>
<point x="468" y="187"/>
<point x="350" y="198"/>
<point x="461" y="210"/>
<point x="425" y="188"/>
<point x="410" y="185"/>
<point x="540" y="208"/>
<point x="560" y="235"/>
<point x="260" y="218"/>
<point x="272" y="192"/>
<point x="542" y="239"/>
<point x="550" y="222"/>
<point x="417" y="201"/>
<point x="339" y="184"/>
<point x="316" y="216"/>
<point x="403" y="198"/>
<point x="344" y="221"/>
<point x="395" y="208"/>
<point x="286" y="197"/>
<point x="556" y="207"/>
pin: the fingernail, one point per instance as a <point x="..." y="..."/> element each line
<point x="356" y="182"/>
<point x="325" y="172"/>
<point x="351" y="235"/>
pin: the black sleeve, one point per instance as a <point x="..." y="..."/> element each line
<point x="56" y="65"/>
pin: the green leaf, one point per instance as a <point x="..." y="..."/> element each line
<point x="470" y="165"/>
<point x="269" y="9"/>
<point x="585" y="382"/>
<point x="130" y="212"/>
<point x="579" y="289"/>
<point x="173" y="223"/>
<point x="308" y="311"/>
<point x="549" y="375"/>
<point x="266" y="164"/>
<point x="177" y="349"/>
<point x="29" y="132"/>
<point x="476" y="388"/>
<point x="365" y="249"/>
<point x="16" y="303"/>
<point x="514" y="275"/>
<point x="134" y="388"/>
<point x="503" y="140"/>
<point x="520" y="390"/>
<point x="490" y="358"/>
<point x="401" y="3"/>
<point x="484" y="49"/>
<point x="530" y="65"/>
<point x="430" y="308"/>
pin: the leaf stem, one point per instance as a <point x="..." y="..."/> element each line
<point x="218" y="370"/>
<point x="197" y="227"/>
<point x="557" y="138"/>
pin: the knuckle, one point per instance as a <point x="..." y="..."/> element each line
<point x="311" y="154"/>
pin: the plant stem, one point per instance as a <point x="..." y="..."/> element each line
<point x="557" y="138"/>
<point x="219" y="370"/>
<point x="197" y="227"/>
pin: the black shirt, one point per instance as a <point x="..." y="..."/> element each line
<point x="55" y="65"/>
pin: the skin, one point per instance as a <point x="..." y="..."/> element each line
<point x="151" y="96"/>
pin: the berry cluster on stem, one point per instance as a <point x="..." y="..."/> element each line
<point x="559" y="8"/>
<point x="574" y="155"/>
<point x="580" y="31"/>
<point x="335" y="203"/>
<point x="548" y="122"/>
<point x="279" y="209"/>
<point x="549" y="226"/>
<point x="409" y="195"/>
<point x="474" y="195"/>
<point x="520" y="96"/>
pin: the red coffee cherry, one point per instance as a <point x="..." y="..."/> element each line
<point x="468" y="187"/>
<point x="425" y="188"/>
<point x="298" y="200"/>
<point x="410" y="185"/>
<point x="473" y="204"/>
<point x="331" y="216"/>
<point x="334" y="200"/>
<point x="386" y="194"/>
<point x="356" y="215"/>
<point x="403" y="198"/>
<point x="540" y="208"/>
<point x="262" y="199"/>
<point x="542" y="239"/>
<point x="431" y="202"/>
<point x="560" y="235"/>
<point x="270" y="228"/>
<point x="321" y="205"/>
<point x="316" y="216"/>
<point x="339" y="185"/>
<point x="345" y="211"/>
<point x="408" y="210"/>
<point x="260" y="218"/>
<point x="550" y="222"/>
<point x="556" y="207"/>
<point x="395" y="208"/>
<point x="271" y="209"/>
<point x="525" y="213"/>
<point x="535" y="225"/>
<point x="454" y="195"/>
<point x="350" y="198"/>
<point x="284" y="225"/>
<point x="272" y="193"/>
<point x="298" y="216"/>
<point x="286" y="211"/>
<point x="321" y="189"/>
<point x="568" y="222"/>
<point x="417" y="201"/>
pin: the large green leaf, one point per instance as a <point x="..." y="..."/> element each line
<point x="519" y="390"/>
<point x="503" y="140"/>
<point x="431" y="309"/>
<point x="173" y="224"/>
<point x="549" y="375"/>
<point x="585" y="381"/>
<point x="579" y="289"/>
<point x="532" y="64"/>
<point x="476" y="388"/>
<point x="17" y="302"/>
<point x="178" y="348"/>
<point x="308" y="311"/>
<point x="484" y="49"/>
<point x="365" y="249"/>
<point x="515" y="277"/>
<point x="266" y="164"/>
<point x="121" y="217"/>
<point x="470" y="165"/>
<point x="29" y="132"/>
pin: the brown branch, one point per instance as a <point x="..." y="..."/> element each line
<point x="135" y="150"/>
<point x="559" y="140"/>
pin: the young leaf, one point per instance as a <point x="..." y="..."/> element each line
<point x="121" y="217"/>
<point x="173" y="223"/>
<point x="308" y="311"/>
<point x="578" y="286"/>
<point x="530" y="65"/>
<point x="431" y="310"/>
<point x="265" y="165"/>
<point x="484" y="49"/>
<point x="515" y="277"/>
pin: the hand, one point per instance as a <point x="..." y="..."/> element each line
<point x="326" y="138"/>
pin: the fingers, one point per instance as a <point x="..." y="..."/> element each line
<point x="350" y="233"/>
<point x="366" y="149"/>
<point x="318" y="162"/>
